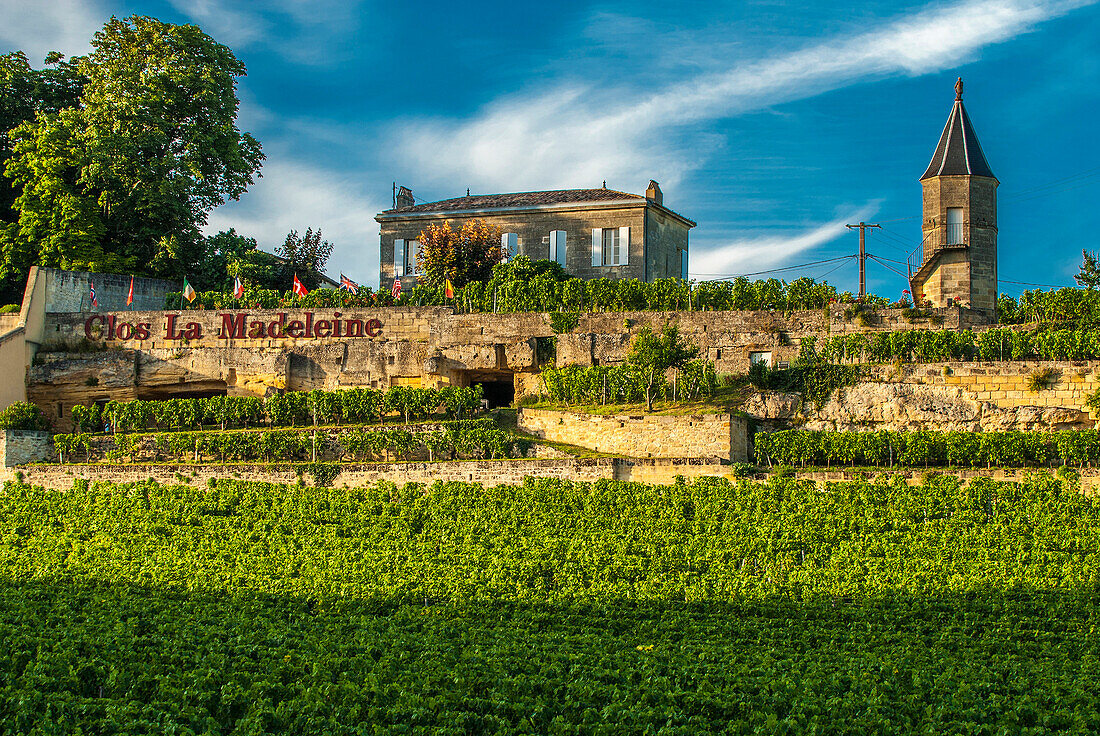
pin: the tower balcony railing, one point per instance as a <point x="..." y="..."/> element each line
<point x="944" y="236"/>
<point x="949" y="235"/>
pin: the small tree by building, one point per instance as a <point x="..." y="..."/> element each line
<point x="305" y="255"/>
<point x="654" y="354"/>
<point x="1089" y="275"/>
<point x="463" y="255"/>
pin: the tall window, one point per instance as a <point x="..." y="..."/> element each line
<point x="412" y="249"/>
<point x="557" y="246"/>
<point x="400" y="261"/>
<point x="509" y="244"/>
<point x="610" y="246"/>
<point x="955" y="226"/>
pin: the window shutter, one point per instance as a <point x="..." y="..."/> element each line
<point x="684" y="264"/>
<point x="624" y="246"/>
<point x="398" y="258"/>
<point x="597" y="246"/>
<point x="414" y="251"/>
<point x="557" y="246"/>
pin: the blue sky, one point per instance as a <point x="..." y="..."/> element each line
<point x="772" y="124"/>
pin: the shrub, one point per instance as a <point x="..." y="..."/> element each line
<point x="24" y="415"/>
<point x="1041" y="380"/>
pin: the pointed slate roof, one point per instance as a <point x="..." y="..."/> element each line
<point x="958" y="152"/>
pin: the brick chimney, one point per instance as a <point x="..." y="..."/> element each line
<point x="405" y="198"/>
<point x="653" y="193"/>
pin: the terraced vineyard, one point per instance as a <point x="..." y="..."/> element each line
<point x="552" y="607"/>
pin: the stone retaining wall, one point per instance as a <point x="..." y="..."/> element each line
<point x="1089" y="477"/>
<point x="693" y="436"/>
<point x="486" y="472"/>
<point x="972" y="396"/>
<point x="18" y="447"/>
<point x="1006" y="383"/>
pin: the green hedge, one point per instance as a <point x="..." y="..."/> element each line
<point x="541" y="286"/>
<point x="577" y="385"/>
<point x="1057" y="305"/>
<point x="294" y="408"/>
<point x="928" y="448"/>
<point x="935" y="346"/>
<point x="462" y="439"/>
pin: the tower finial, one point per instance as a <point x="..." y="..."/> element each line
<point x="959" y="90"/>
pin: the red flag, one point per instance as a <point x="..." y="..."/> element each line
<point x="238" y="288"/>
<point x="130" y="295"/>
<point x="449" y="289"/>
<point x="91" y="287"/>
<point x="298" y="288"/>
<point x="396" y="290"/>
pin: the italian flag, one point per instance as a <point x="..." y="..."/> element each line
<point x="188" y="293"/>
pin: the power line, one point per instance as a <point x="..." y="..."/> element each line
<point x="724" y="277"/>
<point x="888" y="268"/>
<point x="1087" y="173"/>
<point x="1028" y="283"/>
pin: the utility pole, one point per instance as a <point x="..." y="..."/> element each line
<point x="862" y="255"/>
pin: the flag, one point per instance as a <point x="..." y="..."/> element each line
<point x="130" y="295"/>
<point x="188" y="293"/>
<point x="906" y="292"/>
<point x="348" y="285"/>
<point x="396" y="290"/>
<point x="238" y="288"/>
<point x="91" y="286"/>
<point x="298" y="288"/>
<point x="449" y="289"/>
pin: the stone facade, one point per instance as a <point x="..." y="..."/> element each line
<point x="959" y="258"/>
<point x="721" y="436"/>
<point x="18" y="447"/>
<point x="657" y="236"/>
<point x="967" y="269"/>
<point x="82" y="362"/>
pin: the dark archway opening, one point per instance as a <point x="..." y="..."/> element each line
<point x="498" y="393"/>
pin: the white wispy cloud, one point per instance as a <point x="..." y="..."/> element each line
<point x="293" y="196"/>
<point x="234" y="27"/>
<point x="304" y="31"/>
<point x="569" y="135"/>
<point x="748" y="255"/>
<point x="40" y="27"/>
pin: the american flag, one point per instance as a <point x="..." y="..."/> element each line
<point x="396" y="290"/>
<point x="91" y="286"/>
<point x="348" y="285"/>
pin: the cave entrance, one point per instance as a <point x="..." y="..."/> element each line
<point x="498" y="387"/>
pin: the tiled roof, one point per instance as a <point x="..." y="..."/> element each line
<point x="519" y="199"/>
<point x="958" y="152"/>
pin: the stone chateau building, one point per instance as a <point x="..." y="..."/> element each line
<point x="959" y="248"/>
<point x="592" y="233"/>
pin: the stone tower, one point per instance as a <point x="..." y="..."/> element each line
<point x="959" y="248"/>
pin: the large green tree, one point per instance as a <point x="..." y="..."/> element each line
<point x="24" y="93"/>
<point x="124" y="178"/>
